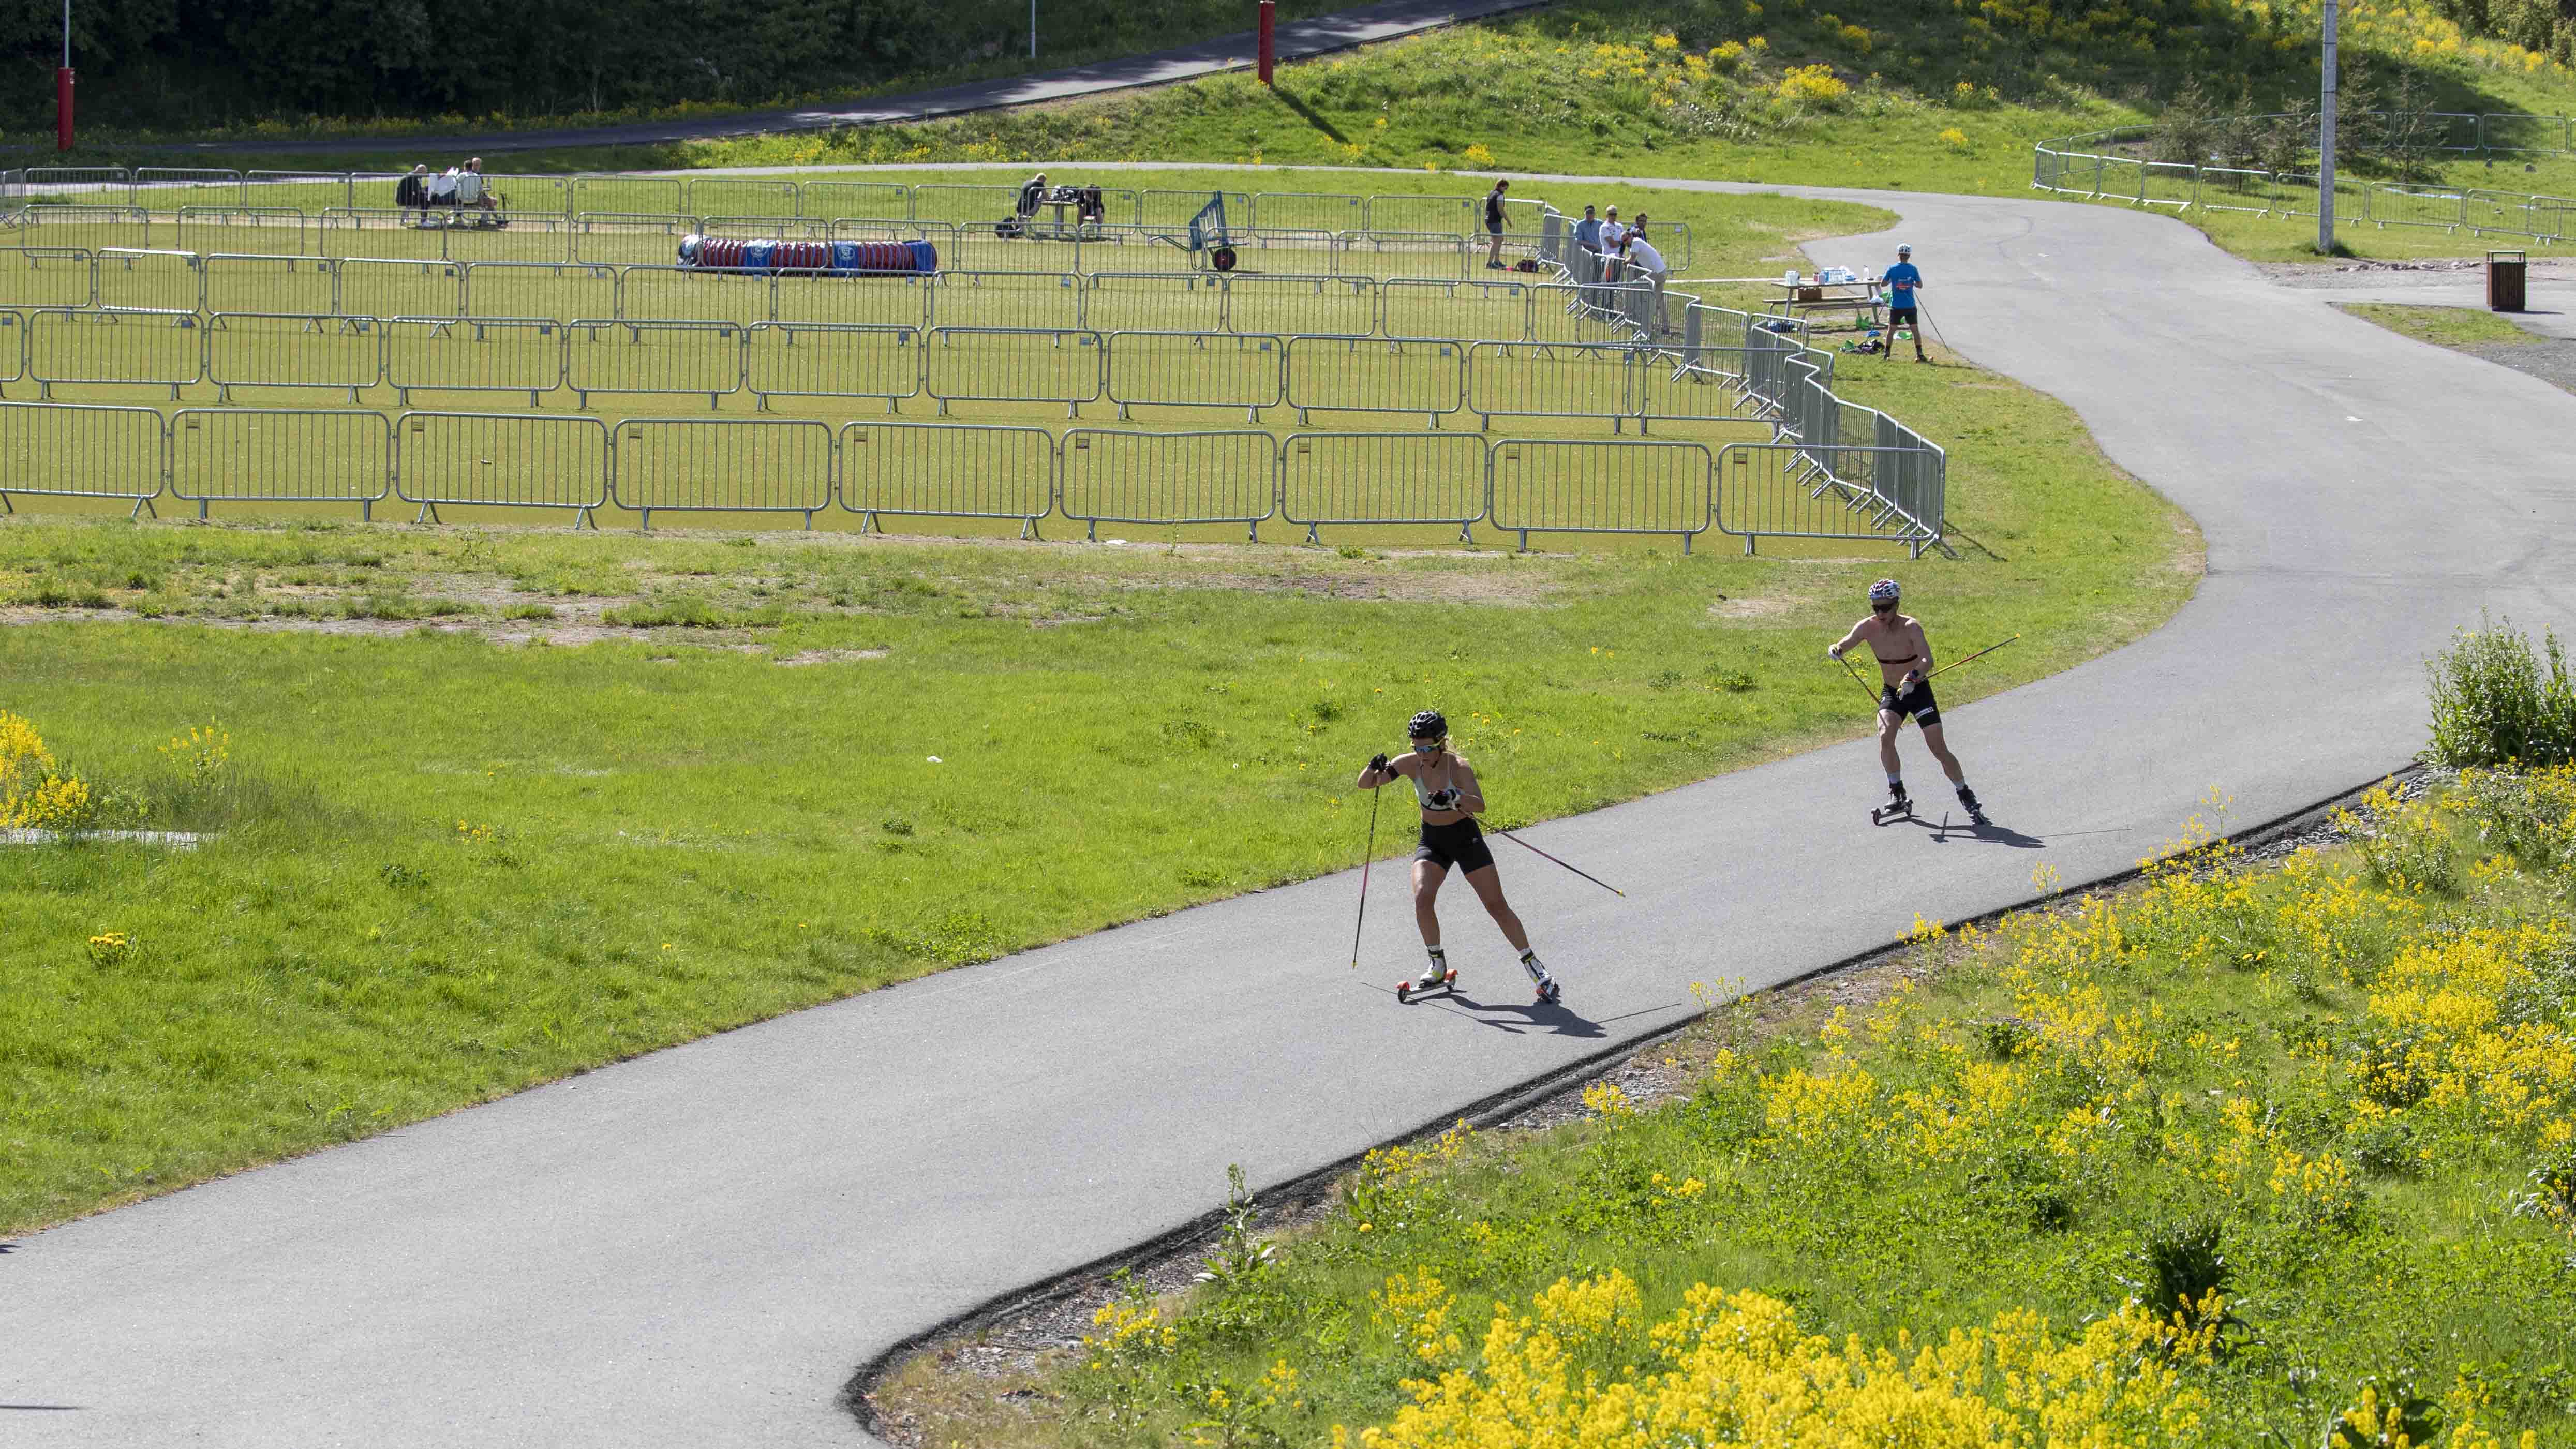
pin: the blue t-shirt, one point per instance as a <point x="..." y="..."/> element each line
<point x="1901" y="280"/>
<point x="1587" y="233"/>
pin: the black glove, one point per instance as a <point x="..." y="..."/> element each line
<point x="1443" y="799"/>
<point x="1378" y="763"/>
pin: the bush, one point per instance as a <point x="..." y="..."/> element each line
<point x="2492" y="704"/>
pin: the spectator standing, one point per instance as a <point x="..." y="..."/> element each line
<point x="1587" y="232"/>
<point x="1613" y="236"/>
<point x="1904" y="288"/>
<point x="1648" y="263"/>
<point x="1494" y="226"/>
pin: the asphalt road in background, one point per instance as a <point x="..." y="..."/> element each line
<point x="699" y="1246"/>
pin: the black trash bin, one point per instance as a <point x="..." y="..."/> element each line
<point x="2504" y="281"/>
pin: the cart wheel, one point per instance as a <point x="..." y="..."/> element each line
<point x="1222" y="259"/>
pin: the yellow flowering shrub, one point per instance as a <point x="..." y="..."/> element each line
<point x="1813" y="85"/>
<point x="35" y="793"/>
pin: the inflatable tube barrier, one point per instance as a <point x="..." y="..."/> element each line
<point x="833" y="258"/>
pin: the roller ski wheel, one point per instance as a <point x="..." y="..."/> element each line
<point x="1899" y="808"/>
<point x="1976" y="809"/>
<point x="1549" y="993"/>
<point x="1407" y="989"/>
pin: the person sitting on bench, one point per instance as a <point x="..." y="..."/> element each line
<point x="412" y="192"/>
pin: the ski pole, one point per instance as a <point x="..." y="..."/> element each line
<point x="1935" y="326"/>
<point x="1596" y="880"/>
<point x="1365" y="860"/>
<point x="1875" y="702"/>
<point x="1980" y="654"/>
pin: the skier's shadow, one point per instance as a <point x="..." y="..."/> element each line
<point x="1518" y="1018"/>
<point x="1946" y="829"/>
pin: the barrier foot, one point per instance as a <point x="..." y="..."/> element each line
<point x="1748" y="544"/>
<point x="1123" y="415"/>
<point x="141" y="506"/>
<point x="7" y="508"/>
<point x="1686" y="543"/>
<point x="809" y="520"/>
<point x="366" y="510"/>
<point x="201" y="510"/>
<point x="1029" y="529"/>
<point x="647" y="526"/>
<point x="581" y="516"/>
<point x="1312" y="537"/>
<point x="422" y="516"/>
<point x="1256" y="531"/>
<point x="868" y="521"/>
<point x="760" y="402"/>
<point x="1465" y="535"/>
<point x="1524" y="540"/>
<point x="712" y="399"/>
<point x="1431" y="421"/>
<point x="1091" y="531"/>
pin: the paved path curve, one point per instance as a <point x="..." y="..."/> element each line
<point x="1294" y="40"/>
<point x="697" y="1247"/>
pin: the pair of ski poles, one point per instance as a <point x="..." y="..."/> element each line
<point x="1370" y="857"/>
<point x="1935" y="674"/>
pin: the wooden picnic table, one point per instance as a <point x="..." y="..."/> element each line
<point x="1859" y="298"/>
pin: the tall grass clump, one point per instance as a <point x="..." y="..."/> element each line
<point x="2497" y="702"/>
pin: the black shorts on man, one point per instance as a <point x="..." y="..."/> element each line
<point x="1900" y="316"/>
<point x="1458" y="845"/>
<point x="1916" y="701"/>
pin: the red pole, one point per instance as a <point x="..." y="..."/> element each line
<point x="63" y="107"/>
<point x="1269" y="13"/>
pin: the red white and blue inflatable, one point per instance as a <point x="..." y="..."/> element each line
<point x="829" y="258"/>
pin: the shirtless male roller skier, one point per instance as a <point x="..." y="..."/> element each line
<point x="1904" y="662"/>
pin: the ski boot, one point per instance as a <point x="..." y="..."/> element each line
<point x="1438" y="976"/>
<point x="1548" y="990"/>
<point x="1968" y="801"/>
<point x="1898" y="807"/>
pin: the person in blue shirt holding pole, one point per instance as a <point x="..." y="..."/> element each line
<point x="1904" y="288"/>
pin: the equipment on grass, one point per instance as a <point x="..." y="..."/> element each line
<point x="1365" y="858"/>
<point x="1208" y="234"/>
<point x="1525" y="845"/>
<point x="823" y="258"/>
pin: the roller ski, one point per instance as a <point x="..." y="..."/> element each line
<point x="1439" y="976"/>
<point x="1968" y="802"/>
<point x="1549" y="993"/>
<point x="1899" y="806"/>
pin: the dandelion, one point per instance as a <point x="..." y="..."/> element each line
<point x="110" y="948"/>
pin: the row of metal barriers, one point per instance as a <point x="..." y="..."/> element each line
<point x="877" y="470"/>
<point x="955" y="204"/>
<point x="115" y="278"/>
<point x="1071" y="368"/>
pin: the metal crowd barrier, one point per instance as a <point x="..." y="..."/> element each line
<point x="431" y="458"/>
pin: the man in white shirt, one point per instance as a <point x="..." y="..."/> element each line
<point x="1647" y="264"/>
<point x="1612" y="234"/>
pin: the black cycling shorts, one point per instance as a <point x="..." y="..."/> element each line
<point x="1457" y="845"/>
<point x="1916" y="702"/>
<point x="1900" y="316"/>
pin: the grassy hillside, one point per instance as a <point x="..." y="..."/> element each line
<point x="1871" y="94"/>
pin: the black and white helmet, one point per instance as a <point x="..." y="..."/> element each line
<point x="1882" y="592"/>
<point x="1428" y="725"/>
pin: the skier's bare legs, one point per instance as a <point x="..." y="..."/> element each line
<point x="1488" y="883"/>
<point x="1941" y="752"/>
<point x="1427" y="876"/>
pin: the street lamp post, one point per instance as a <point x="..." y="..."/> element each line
<point x="63" y="87"/>
<point x="2326" y="143"/>
<point x="1033" y="28"/>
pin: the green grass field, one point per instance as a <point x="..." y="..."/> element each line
<point x="2207" y="1161"/>
<point x="2454" y="327"/>
<point x="512" y="802"/>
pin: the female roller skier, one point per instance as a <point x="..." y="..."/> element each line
<point x="1451" y="801"/>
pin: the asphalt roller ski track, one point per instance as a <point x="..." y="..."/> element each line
<point x="698" y="1247"/>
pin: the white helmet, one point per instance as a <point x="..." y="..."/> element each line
<point x="1904" y="249"/>
<point x="1882" y="592"/>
